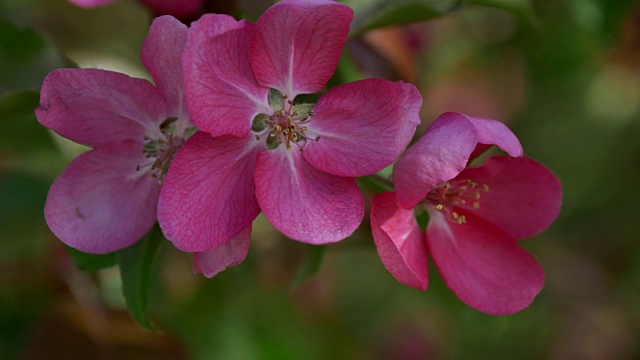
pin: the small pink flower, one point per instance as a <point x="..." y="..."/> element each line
<point x="259" y="150"/>
<point x="106" y="198"/>
<point x="180" y="9"/>
<point x="477" y="214"/>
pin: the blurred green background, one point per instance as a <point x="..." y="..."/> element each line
<point x="564" y="75"/>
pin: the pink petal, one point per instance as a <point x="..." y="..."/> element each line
<point x="162" y="56"/>
<point x="494" y="132"/>
<point x="304" y="203"/>
<point x="524" y="197"/>
<point x="95" y="107"/>
<point x="177" y="8"/>
<point x="211" y="262"/>
<point x="297" y="44"/>
<point x="483" y="266"/>
<point x="400" y="243"/>
<point x="91" y="3"/>
<point x="100" y="204"/>
<point x="222" y="93"/>
<point x="208" y="195"/>
<point x="363" y="126"/>
<point x="439" y="155"/>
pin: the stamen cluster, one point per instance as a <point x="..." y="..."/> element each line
<point x="286" y="126"/>
<point x="460" y="193"/>
<point x="160" y="151"/>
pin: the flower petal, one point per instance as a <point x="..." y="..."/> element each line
<point x="363" y="126"/>
<point x="211" y="262"/>
<point x="222" y="93"/>
<point x="162" y="56"/>
<point x="524" y="197"/>
<point x="483" y="265"/>
<point x="400" y="243"/>
<point x="208" y="195"/>
<point x="439" y="155"/>
<point x="493" y="132"/>
<point x="91" y="3"/>
<point x="100" y="204"/>
<point x="305" y="203"/>
<point x="96" y="107"/>
<point x="297" y="44"/>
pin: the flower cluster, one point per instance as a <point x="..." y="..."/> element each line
<point x="223" y="136"/>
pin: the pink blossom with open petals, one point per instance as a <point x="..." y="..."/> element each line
<point x="106" y="199"/>
<point x="261" y="150"/>
<point x="476" y="214"/>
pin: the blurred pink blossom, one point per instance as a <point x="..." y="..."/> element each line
<point x="180" y="9"/>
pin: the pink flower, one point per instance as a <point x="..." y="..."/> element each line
<point x="477" y="214"/>
<point x="249" y="154"/>
<point x="106" y="198"/>
<point x="181" y="9"/>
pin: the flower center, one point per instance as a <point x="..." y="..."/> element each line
<point x="160" y="150"/>
<point x="287" y="125"/>
<point x="456" y="193"/>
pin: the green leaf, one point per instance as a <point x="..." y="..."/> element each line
<point x="374" y="14"/>
<point x="91" y="262"/>
<point x="135" y="269"/>
<point x="310" y="266"/>
<point x="25" y="57"/>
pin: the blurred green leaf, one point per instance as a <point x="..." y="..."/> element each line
<point x="346" y="71"/>
<point x="135" y="269"/>
<point x="91" y="262"/>
<point x="522" y="8"/>
<point x="25" y="57"/>
<point x="18" y="103"/>
<point x="374" y="14"/>
<point x="310" y="266"/>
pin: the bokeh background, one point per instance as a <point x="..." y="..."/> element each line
<point x="563" y="74"/>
